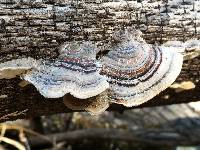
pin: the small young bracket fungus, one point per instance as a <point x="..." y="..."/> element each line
<point x="74" y="72"/>
<point x="190" y="48"/>
<point x="94" y="105"/>
<point x="137" y="71"/>
<point x="185" y="85"/>
<point x="189" y="45"/>
<point x="11" y="69"/>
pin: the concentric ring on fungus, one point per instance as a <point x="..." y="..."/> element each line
<point x="137" y="72"/>
<point x="74" y="72"/>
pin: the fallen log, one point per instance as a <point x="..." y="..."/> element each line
<point x="38" y="28"/>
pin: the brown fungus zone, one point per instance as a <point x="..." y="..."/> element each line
<point x="94" y="105"/>
<point x="18" y="67"/>
<point x="12" y="73"/>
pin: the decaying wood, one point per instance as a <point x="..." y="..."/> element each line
<point x="38" y="28"/>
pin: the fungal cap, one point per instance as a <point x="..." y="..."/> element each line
<point x="95" y="105"/>
<point x="74" y="72"/>
<point x="137" y="71"/>
<point x="11" y="69"/>
<point x="192" y="44"/>
<point x="185" y="85"/>
<point x="156" y="86"/>
<point x="55" y="82"/>
<point x="189" y="45"/>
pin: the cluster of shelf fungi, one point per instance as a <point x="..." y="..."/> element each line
<point x="48" y="63"/>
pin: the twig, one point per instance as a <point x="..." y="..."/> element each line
<point x="12" y="142"/>
<point x="22" y="129"/>
<point x="155" y="137"/>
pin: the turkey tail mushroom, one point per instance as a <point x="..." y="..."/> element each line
<point x="137" y="71"/>
<point x="74" y="72"/>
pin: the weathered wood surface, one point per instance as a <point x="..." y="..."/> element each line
<point x="37" y="29"/>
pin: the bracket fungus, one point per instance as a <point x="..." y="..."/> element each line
<point x="74" y="72"/>
<point x="130" y="74"/>
<point x="94" y="105"/>
<point x="190" y="48"/>
<point x="137" y="72"/>
<point x="13" y="68"/>
<point x="189" y="45"/>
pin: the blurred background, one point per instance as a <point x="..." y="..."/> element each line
<point x="171" y="127"/>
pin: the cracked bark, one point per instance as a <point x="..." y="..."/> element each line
<point x="38" y="28"/>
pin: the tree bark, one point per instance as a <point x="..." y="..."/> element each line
<point x="30" y="28"/>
